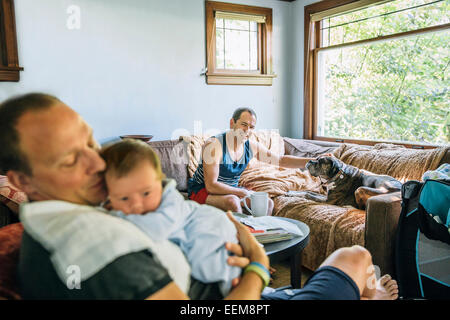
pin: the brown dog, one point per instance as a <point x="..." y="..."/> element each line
<point x="348" y="185"/>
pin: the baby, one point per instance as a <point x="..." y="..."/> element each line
<point x="140" y="193"/>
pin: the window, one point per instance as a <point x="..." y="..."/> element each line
<point x="9" y="62"/>
<point x="238" y="41"/>
<point x="377" y="71"/>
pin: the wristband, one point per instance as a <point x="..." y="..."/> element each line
<point x="260" y="270"/>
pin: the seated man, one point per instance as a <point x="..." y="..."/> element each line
<point x="73" y="250"/>
<point x="225" y="157"/>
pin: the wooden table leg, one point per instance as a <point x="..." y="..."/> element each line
<point x="296" y="270"/>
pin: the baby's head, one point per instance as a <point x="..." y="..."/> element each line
<point x="133" y="176"/>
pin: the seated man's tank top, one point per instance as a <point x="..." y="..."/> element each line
<point x="229" y="170"/>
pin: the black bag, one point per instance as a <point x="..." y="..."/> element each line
<point x="422" y="248"/>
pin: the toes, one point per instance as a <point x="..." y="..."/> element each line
<point x="384" y="279"/>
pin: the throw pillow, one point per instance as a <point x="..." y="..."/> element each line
<point x="302" y="148"/>
<point x="10" y="195"/>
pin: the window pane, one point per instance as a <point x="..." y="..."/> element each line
<point x="253" y="26"/>
<point x="389" y="18"/>
<point x="237" y="50"/>
<point x="393" y="90"/>
<point x="219" y="23"/>
<point x="220" y="49"/>
<point x="237" y="24"/>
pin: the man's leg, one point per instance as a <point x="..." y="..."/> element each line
<point x="356" y="262"/>
<point x="225" y="202"/>
<point x="346" y="274"/>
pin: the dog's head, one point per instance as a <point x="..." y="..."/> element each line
<point x="324" y="167"/>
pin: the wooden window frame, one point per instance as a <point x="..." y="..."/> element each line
<point x="9" y="61"/>
<point x="264" y="75"/>
<point x="312" y="47"/>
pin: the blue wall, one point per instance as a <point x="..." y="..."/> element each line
<point x="134" y="66"/>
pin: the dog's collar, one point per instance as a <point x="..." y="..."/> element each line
<point x="340" y="173"/>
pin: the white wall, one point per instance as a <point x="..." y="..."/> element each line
<point x="134" y="66"/>
<point x="297" y="58"/>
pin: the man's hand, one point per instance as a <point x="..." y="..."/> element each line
<point x="326" y="155"/>
<point x="246" y="251"/>
<point x="242" y="193"/>
<point x="248" y="248"/>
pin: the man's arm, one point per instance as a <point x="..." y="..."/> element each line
<point x="211" y="156"/>
<point x="285" y="161"/>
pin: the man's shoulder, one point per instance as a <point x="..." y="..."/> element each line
<point x="135" y="275"/>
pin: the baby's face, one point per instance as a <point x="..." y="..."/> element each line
<point x="138" y="192"/>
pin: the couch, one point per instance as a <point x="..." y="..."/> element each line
<point x="331" y="227"/>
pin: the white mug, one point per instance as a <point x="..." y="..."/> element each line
<point x="259" y="203"/>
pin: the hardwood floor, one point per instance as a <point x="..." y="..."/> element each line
<point x="282" y="276"/>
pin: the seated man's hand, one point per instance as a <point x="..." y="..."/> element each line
<point x="242" y="193"/>
<point x="326" y="155"/>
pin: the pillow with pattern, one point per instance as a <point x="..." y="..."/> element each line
<point x="10" y="195"/>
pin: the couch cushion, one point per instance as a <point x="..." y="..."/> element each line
<point x="307" y="149"/>
<point x="174" y="160"/>
<point x="10" y="239"/>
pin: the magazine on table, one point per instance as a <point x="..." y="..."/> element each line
<point x="268" y="229"/>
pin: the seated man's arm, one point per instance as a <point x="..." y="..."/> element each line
<point x="285" y="161"/>
<point x="212" y="156"/>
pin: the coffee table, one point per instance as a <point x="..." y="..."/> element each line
<point x="289" y="249"/>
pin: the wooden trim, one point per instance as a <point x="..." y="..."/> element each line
<point x="220" y="76"/>
<point x="387" y="37"/>
<point x="353" y="5"/>
<point x="9" y="64"/>
<point x="240" y="79"/>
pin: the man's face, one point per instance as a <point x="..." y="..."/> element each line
<point x="245" y="125"/>
<point x="62" y="154"/>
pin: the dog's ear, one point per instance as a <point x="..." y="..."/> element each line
<point x="336" y="166"/>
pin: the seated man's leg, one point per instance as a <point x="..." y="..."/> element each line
<point x="225" y="202"/>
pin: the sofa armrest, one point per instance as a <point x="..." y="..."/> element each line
<point x="382" y="214"/>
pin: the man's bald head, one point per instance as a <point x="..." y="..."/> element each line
<point x="11" y="110"/>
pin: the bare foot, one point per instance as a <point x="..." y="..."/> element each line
<point x="387" y="289"/>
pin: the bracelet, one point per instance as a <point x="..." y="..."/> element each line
<point x="260" y="270"/>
